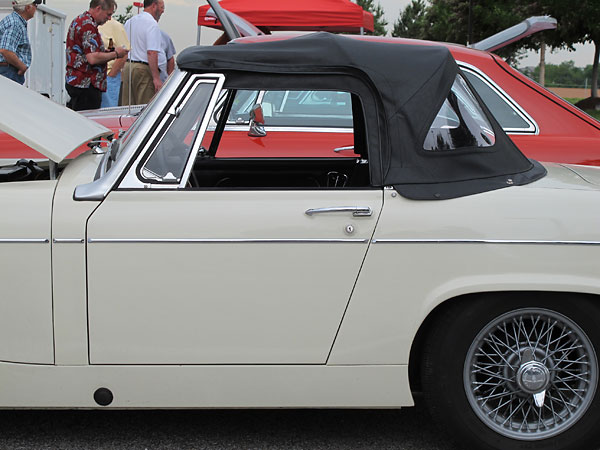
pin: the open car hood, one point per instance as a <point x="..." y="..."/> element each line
<point x="47" y="127"/>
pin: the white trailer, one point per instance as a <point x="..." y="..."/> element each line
<point x="47" y="37"/>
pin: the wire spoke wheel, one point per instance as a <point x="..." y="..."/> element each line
<point x="530" y="374"/>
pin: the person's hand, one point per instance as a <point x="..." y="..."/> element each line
<point x="22" y="70"/>
<point x="157" y="84"/>
<point x="121" y="52"/>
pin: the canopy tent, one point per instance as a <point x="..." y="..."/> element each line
<point x="284" y="15"/>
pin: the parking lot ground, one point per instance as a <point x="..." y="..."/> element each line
<point x="406" y="429"/>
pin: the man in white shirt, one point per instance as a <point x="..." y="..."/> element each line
<point x="141" y="76"/>
<point x="166" y="57"/>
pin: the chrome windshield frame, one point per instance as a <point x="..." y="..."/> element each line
<point x="99" y="189"/>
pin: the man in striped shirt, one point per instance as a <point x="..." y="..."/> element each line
<point x="15" y="51"/>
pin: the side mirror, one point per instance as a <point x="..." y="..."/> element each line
<point x="257" y="122"/>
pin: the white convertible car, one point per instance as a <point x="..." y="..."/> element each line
<point x="153" y="273"/>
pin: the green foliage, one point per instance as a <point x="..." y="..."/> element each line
<point x="577" y="23"/>
<point x="448" y="21"/>
<point x="565" y="74"/>
<point x="125" y="17"/>
<point x="378" y="13"/>
<point x="413" y="21"/>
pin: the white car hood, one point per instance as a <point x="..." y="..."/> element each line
<point x="47" y="127"/>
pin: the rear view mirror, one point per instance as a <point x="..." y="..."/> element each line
<point x="257" y="122"/>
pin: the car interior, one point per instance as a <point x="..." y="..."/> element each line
<point x="211" y="171"/>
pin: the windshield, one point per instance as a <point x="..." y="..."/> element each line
<point x="140" y="118"/>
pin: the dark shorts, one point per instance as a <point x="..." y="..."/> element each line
<point x="11" y="73"/>
<point x="84" y="98"/>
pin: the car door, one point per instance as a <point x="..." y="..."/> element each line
<point x="189" y="265"/>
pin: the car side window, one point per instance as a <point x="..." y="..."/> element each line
<point x="168" y="159"/>
<point x="303" y="123"/>
<point x="324" y="109"/>
<point x="507" y="115"/>
<point x="255" y="156"/>
<point x="460" y="123"/>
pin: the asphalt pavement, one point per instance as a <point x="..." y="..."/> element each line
<point x="405" y="429"/>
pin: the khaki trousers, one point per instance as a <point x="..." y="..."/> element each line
<point x="142" y="87"/>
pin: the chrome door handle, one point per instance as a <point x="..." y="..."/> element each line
<point x="341" y="149"/>
<point x="357" y="211"/>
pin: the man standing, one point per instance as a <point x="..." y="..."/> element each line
<point x="87" y="58"/>
<point x="15" y="51"/>
<point x="166" y="56"/>
<point x="141" y="76"/>
<point x="113" y="35"/>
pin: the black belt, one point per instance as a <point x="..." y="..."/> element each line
<point x="139" y="62"/>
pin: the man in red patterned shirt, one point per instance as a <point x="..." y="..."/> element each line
<point x="87" y="58"/>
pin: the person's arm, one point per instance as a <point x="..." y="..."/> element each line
<point x="14" y="60"/>
<point x="117" y="67"/>
<point x="95" y="58"/>
<point x="153" y="63"/>
<point x="170" y="65"/>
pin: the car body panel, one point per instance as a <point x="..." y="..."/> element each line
<point x="515" y="232"/>
<point x="26" y="330"/>
<point x="114" y="119"/>
<point x="69" y="275"/>
<point x="28" y="122"/>
<point x="285" y="307"/>
<point x="208" y="386"/>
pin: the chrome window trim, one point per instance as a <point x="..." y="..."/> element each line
<point x="533" y="126"/>
<point x="132" y="179"/>
<point x="25" y="241"/>
<point x="99" y="189"/>
<point x="225" y="241"/>
<point x="274" y="128"/>
<point x="482" y="241"/>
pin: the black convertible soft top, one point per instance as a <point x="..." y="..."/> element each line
<point x="401" y="89"/>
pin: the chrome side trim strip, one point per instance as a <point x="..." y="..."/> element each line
<point x="481" y="241"/>
<point x="24" y="241"/>
<point x="225" y="241"/>
<point x="68" y="241"/>
<point x="274" y="129"/>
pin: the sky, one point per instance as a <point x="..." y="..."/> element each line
<point x="180" y="19"/>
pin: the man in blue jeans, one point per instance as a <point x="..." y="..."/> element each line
<point x="15" y="51"/>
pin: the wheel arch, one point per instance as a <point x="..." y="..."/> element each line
<point x="462" y="301"/>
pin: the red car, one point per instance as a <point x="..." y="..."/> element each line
<point x="544" y="126"/>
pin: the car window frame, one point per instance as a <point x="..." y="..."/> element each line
<point x="133" y="178"/>
<point x="533" y="128"/>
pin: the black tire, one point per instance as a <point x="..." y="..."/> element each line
<point x="487" y="414"/>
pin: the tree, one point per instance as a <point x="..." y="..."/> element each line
<point x="378" y="13"/>
<point x="412" y="22"/>
<point x="125" y="17"/>
<point x="565" y="74"/>
<point x="449" y="21"/>
<point x="577" y="23"/>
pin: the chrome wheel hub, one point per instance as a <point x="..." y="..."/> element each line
<point x="533" y="377"/>
<point x="530" y="374"/>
